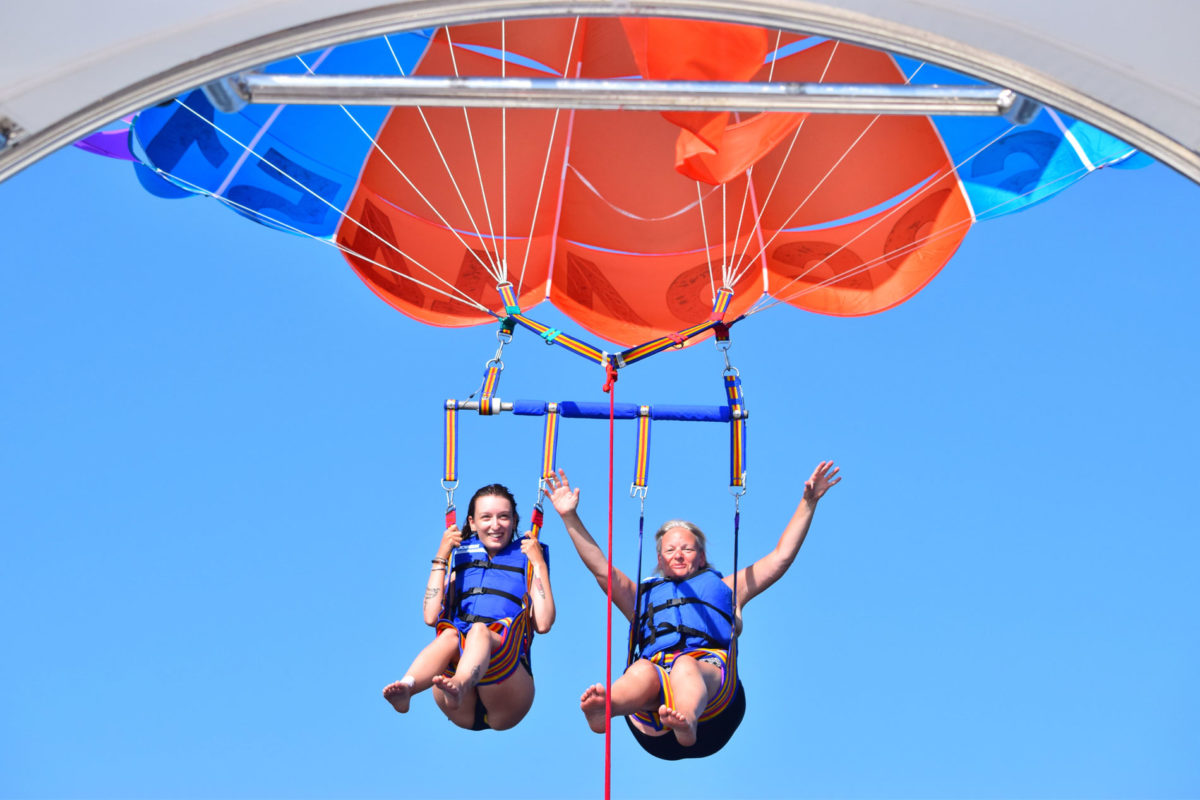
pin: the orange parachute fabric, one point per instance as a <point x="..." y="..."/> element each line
<point x="602" y="211"/>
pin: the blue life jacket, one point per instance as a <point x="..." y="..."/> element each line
<point x="682" y="615"/>
<point x="487" y="588"/>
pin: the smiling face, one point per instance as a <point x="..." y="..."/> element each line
<point x="680" y="555"/>
<point x="493" y="522"/>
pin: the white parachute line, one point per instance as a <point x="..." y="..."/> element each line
<point x="729" y="270"/>
<point x="262" y="131"/>
<point x="745" y="262"/>
<point x="462" y="297"/>
<point x="335" y="209"/>
<point x="399" y="171"/>
<point x="762" y="304"/>
<point x="537" y="203"/>
<point x="475" y="156"/>
<point x="724" y="239"/>
<point x="712" y="284"/>
<point x="929" y="183"/>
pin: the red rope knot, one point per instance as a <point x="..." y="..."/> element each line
<point x="610" y="372"/>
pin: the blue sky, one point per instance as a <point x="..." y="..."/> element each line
<point x="220" y="465"/>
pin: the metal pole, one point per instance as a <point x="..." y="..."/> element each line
<point x="628" y="94"/>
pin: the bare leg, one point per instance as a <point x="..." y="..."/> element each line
<point x="509" y="701"/>
<point x="636" y="690"/>
<point x="692" y="683"/>
<point x="477" y="652"/>
<point x="432" y="659"/>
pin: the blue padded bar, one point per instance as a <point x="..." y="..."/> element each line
<point x="690" y="413"/>
<point x="591" y="410"/>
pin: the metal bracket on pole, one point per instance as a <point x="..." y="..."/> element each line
<point x="10" y="132"/>
<point x="228" y="95"/>
<point x="579" y="93"/>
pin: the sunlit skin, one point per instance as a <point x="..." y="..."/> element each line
<point x="680" y="558"/>
<point x="679" y="555"/>
<point x="494" y="522"/>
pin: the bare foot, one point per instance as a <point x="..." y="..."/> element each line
<point x="592" y="706"/>
<point x="398" y="694"/>
<point x="451" y="690"/>
<point x="685" y="729"/>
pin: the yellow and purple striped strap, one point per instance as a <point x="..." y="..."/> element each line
<point x="641" y="464"/>
<point x="716" y="318"/>
<point x="509" y="296"/>
<point x="737" y="429"/>
<point x="554" y="336"/>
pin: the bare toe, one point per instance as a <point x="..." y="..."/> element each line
<point x="398" y="694"/>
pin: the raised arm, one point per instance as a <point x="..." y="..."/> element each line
<point x="762" y="573"/>
<point x="543" y="597"/>
<point x="566" y="503"/>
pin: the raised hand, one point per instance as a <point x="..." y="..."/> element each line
<point x="823" y="477"/>
<point x="558" y="490"/>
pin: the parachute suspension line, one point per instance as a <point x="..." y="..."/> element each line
<point x="537" y="203"/>
<point x="724" y="239"/>
<point x="904" y="249"/>
<point x="489" y="268"/>
<point x="746" y="261"/>
<point x="729" y="271"/>
<point x="474" y="155"/>
<point x="712" y="283"/>
<point x="465" y="298"/>
<point x="610" y="386"/>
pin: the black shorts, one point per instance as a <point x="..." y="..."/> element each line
<point x="711" y="736"/>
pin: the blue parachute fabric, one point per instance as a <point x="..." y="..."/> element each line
<point x="1005" y="167"/>
<point x="259" y="157"/>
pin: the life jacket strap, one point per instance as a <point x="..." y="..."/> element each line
<point x="477" y="590"/>
<point x="484" y="564"/>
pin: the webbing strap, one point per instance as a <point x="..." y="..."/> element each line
<point x="716" y="318"/>
<point x="641" y="463"/>
<point x="737" y="429"/>
<point x="552" y="336"/>
<point x="450" y="461"/>
<point x="549" y="459"/>
<point x="509" y="296"/>
<point x="491" y="380"/>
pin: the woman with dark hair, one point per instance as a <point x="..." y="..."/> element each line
<point x="683" y="622"/>
<point x="488" y="592"/>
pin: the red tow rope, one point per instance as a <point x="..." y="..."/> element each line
<point x="610" y="389"/>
